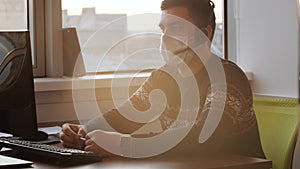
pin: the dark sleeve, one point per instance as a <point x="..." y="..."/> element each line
<point x="139" y="101"/>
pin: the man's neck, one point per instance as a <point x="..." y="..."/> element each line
<point x="198" y="63"/>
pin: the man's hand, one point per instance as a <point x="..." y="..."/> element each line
<point x="103" y="142"/>
<point x="71" y="136"/>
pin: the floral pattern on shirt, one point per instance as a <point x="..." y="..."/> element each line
<point x="140" y="99"/>
<point x="237" y="108"/>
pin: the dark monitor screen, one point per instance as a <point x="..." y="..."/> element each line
<point x="17" y="101"/>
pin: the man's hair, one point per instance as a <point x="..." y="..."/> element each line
<point x="201" y="11"/>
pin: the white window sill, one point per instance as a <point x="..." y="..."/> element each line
<point x="103" y="81"/>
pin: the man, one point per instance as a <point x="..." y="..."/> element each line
<point x="236" y="131"/>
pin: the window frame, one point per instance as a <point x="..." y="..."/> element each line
<point x="37" y="29"/>
<point x="45" y="27"/>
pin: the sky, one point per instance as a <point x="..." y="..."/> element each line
<point x="113" y="6"/>
<point x="130" y="7"/>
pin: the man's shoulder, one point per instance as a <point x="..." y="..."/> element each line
<point x="236" y="79"/>
<point x="229" y="65"/>
<point x="233" y="71"/>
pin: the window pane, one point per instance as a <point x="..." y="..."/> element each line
<point x="104" y="54"/>
<point x="13" y="14"/>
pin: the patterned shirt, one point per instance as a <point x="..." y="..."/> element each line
<point x="237" y="131"/>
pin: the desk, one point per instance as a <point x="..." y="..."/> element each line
<point x="215" y="161"/>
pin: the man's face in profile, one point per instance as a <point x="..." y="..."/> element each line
<point x="180" y="39"/>
<point x="183" y="17"/>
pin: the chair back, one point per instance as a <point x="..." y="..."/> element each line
<point x="277" y="121"/>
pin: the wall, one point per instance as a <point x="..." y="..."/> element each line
<point x="267" y="44"/>
<point x="55" y="104"/>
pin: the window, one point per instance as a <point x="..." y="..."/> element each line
<point x="88" y="17"/>
<point x="115" y="23"/>
<point x="112" y="25"/>
<point x="13" y="14"/>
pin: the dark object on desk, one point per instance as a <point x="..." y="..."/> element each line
<point x="73" y="61"/>
<point x="51" y="153"/>
<point x="17" y="102"/>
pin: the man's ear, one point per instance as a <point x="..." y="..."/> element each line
<point x="210" y="32"/>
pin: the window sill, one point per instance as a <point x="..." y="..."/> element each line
<point x="103" y="81"/>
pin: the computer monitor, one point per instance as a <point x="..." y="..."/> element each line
<point x="17" y="100"/>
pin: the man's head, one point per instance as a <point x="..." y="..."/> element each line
<point x="199" y="12"/>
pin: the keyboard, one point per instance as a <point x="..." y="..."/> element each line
<point x="52" y="153"/>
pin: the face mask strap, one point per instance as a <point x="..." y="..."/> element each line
<point x="204" y="30"/>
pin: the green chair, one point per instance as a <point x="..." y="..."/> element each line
<point x="296" y="157"/>
<point x="277" y="121"/>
